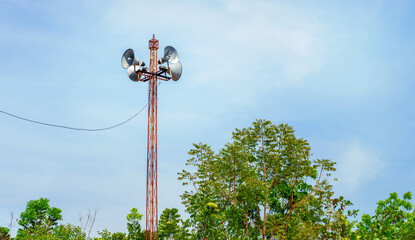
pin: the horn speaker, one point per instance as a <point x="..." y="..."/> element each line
<point x="175" y="70"/>
<point x="129" y="59"/>
<point x="170" y="55"/>
<point x="133" y="72"/>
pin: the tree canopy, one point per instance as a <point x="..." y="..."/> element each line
<point x="263" y="184"/>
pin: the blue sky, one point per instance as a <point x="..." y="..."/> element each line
<point x="341" y="73"/>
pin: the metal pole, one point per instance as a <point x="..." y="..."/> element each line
<point x="151" y="200"/>
<point x="136" y="71"/>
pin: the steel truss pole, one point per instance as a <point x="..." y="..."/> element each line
<point x="151" y="196"/>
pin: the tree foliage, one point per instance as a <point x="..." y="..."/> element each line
<point x="39" y="213"/>
<point x="261" y="185"/>
<point x="264" y="185"/>
<point x="60" y="232"/>
<point x="168" y="226"/>
<point x="106" y="235"/>
<point x="394" y="219"/>
<point x="133" y="225"/>
<point x="4" y="233"/>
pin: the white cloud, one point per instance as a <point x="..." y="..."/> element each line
<point x="357" y="166"/>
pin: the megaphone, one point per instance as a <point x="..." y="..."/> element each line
<point x="133" y="72"/>
<point x="175" y="70"/>
<point x="170" y="55"/>
<point x="129" y="59"/>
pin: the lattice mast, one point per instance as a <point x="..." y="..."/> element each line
<point x="151" y="201"/>
<point x="138" y="72"/>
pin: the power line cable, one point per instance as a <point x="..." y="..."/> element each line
<point x="73" y="128"/>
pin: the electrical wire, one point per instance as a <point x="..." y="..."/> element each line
<point x="73" y="128"/>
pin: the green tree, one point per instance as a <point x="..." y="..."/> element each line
<point x="39" y="221"/>
<point x="133" y="225"/>
<point x="264" y="186"/>
<point x="60" y="232"/>
<point x="169" y="224"/>
<point x="106" y="235"/>
<point x="4" y="233"/>
<point x="184" y="233"/>
<point x="394" y="219"/>
<point x="69" y="232"/>
<point x="37" y="232"/>
<point x="205" y="221"/>
<point x="39" y="213"/>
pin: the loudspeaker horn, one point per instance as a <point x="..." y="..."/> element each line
<point x="175" y="70"/>
<point x="129" y="59"/>
<point x="170" y="55"/>
<point x="133" y="72"/>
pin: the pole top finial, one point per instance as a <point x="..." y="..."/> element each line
<point x="153" y="43"/>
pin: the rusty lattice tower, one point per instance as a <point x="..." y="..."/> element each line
<point x="137" y="71"/>
<point x="151" y="196"/>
